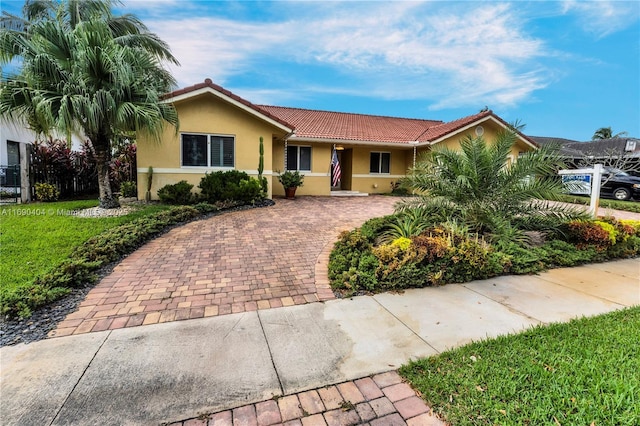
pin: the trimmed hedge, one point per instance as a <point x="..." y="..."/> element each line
<point x="229" y="185"/>
<point x="177" y="193"/>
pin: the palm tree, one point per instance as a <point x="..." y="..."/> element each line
<point x="606" y="133"/>
<point x="477" y="187"/>
<point x="87" y="71"/>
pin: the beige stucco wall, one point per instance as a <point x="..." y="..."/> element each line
<point x="318" y="181"/>
<point x="374" y="183"/>
<point x="205" y="114"/>
<point x="491" y="131"/>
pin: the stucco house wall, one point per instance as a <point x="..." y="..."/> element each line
<point x="209" y="110"/>
<point x="205" y="115"/>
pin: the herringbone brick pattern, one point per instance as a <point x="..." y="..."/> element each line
<point x="235" y="262"/>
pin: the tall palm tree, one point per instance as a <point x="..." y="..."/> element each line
<point x="606" y="133"/>
<point x="87" y="71"/>
<point x="477" y="186"/>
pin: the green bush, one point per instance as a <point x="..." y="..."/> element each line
<point x="46" y="192"/>
<point x="23" y="300"/>
<point x="178" y="193"/>
<point x="128" y="189"/>
<point x="372" y="228"/>
<point x="352" y="266"/>
<point x="232" y="185"/>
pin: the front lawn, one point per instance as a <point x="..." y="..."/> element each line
<point x="584" y="372"/>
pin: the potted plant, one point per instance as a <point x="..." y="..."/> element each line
<point x="291" y="180"/>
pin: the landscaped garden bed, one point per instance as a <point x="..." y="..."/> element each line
<point x="363" y="260"/>
<point x="476" y="217"/>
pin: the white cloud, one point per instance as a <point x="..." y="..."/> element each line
<point x="602" y="18"/>
<point x="470" y="56"/>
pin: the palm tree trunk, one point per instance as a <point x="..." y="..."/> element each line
<point x="107" y="200"/>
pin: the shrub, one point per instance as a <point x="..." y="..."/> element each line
<point x="291" y="179"/>
<point x="22" y="301"/>
<point x="46" y="192"/>
<point x="611" y="230"/>
<point x="406" y="224"/>
<point x="522" y="260"/>
<point x="122" y="167"/>
<point x="373" y="227"/>
<point x="447" y="253"/>
<point x="633" y="226"/>
<point x="232" y="185"/>
<point x="128" y="189"/>
<point x="249" y="191"/>
<point x="435" y="257"/>
<point x="585" y="233"/>
<point x="399" y="188"/>
<point x="402" y="243"/>
<point x="53" y="161"/>
<point x="352" y="265"/>
<point x="178" y="193"/>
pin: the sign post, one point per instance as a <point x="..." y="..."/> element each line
<point x="581" y="178"/>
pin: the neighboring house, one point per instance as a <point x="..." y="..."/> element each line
<point x="15" y="150"/>
<point x="15" y="142"/>
<point x="221" y="131"/>
<point x="622" y="152"/>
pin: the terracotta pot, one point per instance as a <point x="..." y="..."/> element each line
<point x="290" y="193"/>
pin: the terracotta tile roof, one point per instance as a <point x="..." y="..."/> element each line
<point x="437" y="132"/>
<point x="318" y="124"/>
<point x="347" y="126"/>
<point x="208" y="83"/>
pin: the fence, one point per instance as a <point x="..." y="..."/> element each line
<point x="10" y="184"/>
<point x="73" y="181"/>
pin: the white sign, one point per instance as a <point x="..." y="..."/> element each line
<point x="595" y="175"/>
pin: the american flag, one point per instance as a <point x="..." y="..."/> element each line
<point x="335" y="169"/>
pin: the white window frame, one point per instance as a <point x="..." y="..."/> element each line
<point x="298" y="157"/>
<point x="208" y="154"/>
<point x="380" y="172"/>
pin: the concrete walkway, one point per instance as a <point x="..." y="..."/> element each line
<point x="178" y="371"/>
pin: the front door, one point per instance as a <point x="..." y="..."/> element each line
<point x="343" y="182"/>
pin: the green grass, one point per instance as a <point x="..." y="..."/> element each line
<point x="585" y="372"/>
<point x="36" y="238"/>
<point x="630" y="206"/>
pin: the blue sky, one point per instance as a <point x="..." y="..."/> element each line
<point x="564" y="69"/>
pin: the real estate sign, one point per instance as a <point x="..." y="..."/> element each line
<point x="577" y="184"/>
<point x="583" y="178"/>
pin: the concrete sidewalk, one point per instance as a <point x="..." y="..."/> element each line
<point x="175" y="371"/>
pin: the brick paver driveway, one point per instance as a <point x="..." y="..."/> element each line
<point x="235" y="262"/>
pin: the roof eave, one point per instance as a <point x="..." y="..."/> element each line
<point x="481" y="120"/>
<point x="296" y="138"/>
